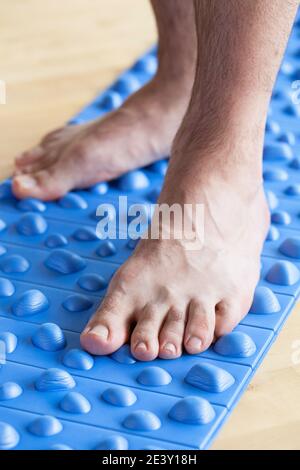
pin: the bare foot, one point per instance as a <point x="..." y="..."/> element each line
<point x="175" y="297"/>
<point x="137" y="134"/>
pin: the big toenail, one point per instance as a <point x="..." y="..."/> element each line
<point x="195" y="343"/>
<point x="170" y="348"/>
<point x="26" y="181"/>
<point x="100" y="330"/>
<point x="141" y="346"/>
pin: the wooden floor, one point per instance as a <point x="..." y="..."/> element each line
<point x="55" y="55"/>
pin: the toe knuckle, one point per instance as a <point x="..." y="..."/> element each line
<point x="141" y="335"/>
<point x="176" y="315"/>
<point x="109" y="304"/>
<point x="149" y="314"/>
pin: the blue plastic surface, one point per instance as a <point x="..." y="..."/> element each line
<point x="54" y="271"/>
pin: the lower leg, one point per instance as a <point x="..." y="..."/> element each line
<point x="140" y="132"/>
<point x="176" y="296"/>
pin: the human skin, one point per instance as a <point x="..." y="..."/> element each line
<point x="166" y="297"/>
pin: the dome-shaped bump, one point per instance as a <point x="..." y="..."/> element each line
<point x="278" y="151"/>
<point x="65" y="262"/>
<point x="273" y="127"/>
<point x="106" y="249"/>
<point x="272" y="200"/>
<point x="291" y="247"/>
<point x="281" y="218"/>
<point x="3" y="225"/>
<point x="127" y="84"/>
<point x="92" y="282"/>
<point x="45" y="426"/>
<point x="293" y="190"/>
<point x="78" y="359"/>
<point x="119" y="396"/>
<point x="123" y="355"/>
<point x="100" y="188"/>
<point x="160" y="167"/>
<point x="76" y="403"/>
<point x="3" y="250"/>
<point x="283" y="273"/>
<point x="288" y="138"/>
<point x="295" y="163"/>
<point x="273" y="234"/>
<point x="14" y="264"/>
<point x="10" y="390"/>
<point x="73" y="201"/>
<point x="275" y="174"/>
<point x="10" y="340"/>
<point x="154" y="376"/>
<point x="192" y="410"/>
<point x="115" y="442"/>
<point x="77" y="303"/>
<point x="142" y="420"/>
<point x="235" y="344"/>
<point x="132" y="243"/>
<point x="264" y="302"/>
<point x="56" y="240"/>
<point x="54" y="380"/>
<point x="85" y="234"/>
<point x="133" y="181"/>
<point x="9" y="437"/>
<point x="7" y="289"/>
<point x="209" y="378"/>
<point x="146" y="64"/>
<point x="110" y="101"/>
<point x="31" y="302"/>
<point x="31" y="205"/>
<point x="31" y="224"/>
<point x="49" y="337"/>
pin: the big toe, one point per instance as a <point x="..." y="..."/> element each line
<point x="47" y="184"/>
<point x="108" y="329"/>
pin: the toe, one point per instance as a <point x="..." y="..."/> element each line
<point x="108" y="329"/>
<point x="144" y="339"/>
<point x="228" y="316"/>
<point x="200" y="327"/>
<point x="54" y="136"/>
<point x="47" y="184"/>
<point x="39" y="164"/>
<point x="29" y="157"/>
<point x="171" y="335"/>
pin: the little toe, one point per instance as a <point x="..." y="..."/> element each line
<point x="228" y="316"/>
<point x="108" y="329"/>
<point x="171" y="335"/>
<point x="144" y="339"/>
<point x="200" y="328"/>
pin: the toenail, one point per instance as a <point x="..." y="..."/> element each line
<point x="100" y="330"/>
<point x="26" y="181"/>
<point x="194" y="343"/>
<point x="170" y="348"/>
<point x="141" y="346"/>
